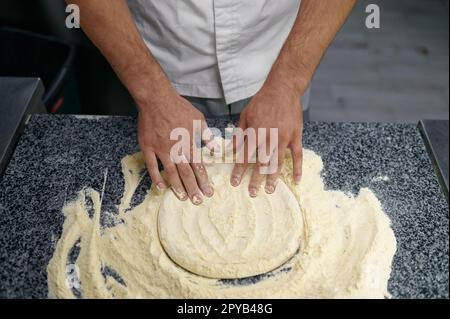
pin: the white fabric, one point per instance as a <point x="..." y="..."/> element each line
<point x="215" y="48"/>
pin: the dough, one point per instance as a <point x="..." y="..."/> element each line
<point x="346" y="247"/>
<point x="231" y="235"/>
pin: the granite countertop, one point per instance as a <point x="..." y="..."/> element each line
<point x="59" y="155"/>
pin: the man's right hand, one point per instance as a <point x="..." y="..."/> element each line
<point x="158" y="116"/>
<point x="161" y="109"/>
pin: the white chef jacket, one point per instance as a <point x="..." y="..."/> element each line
<point x="215" y="48"/>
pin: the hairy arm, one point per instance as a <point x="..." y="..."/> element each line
<point x="110" y="26"/>
<point x="316" y="26"/>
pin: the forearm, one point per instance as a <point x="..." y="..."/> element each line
<point x="110" y="26"/>
<point x="316" y="26"/>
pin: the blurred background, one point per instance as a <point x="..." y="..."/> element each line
<point x="398" y="73"/>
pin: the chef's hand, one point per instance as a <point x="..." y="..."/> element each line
<point x="157" y="118"/>
<point x="274" y="106"/>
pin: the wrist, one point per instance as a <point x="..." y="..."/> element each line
<point x="151" y="93"/>
<point x="146" y="83"/>
<point x="289" y="77"/>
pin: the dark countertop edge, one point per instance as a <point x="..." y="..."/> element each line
<point x="32" y="104"/>
<point x="435" y="154"/>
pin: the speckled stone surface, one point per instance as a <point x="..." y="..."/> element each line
<point x="58" y="155"/>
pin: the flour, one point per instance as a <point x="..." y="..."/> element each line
<point x="346" y="247"/>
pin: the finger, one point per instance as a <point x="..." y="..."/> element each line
<point x="263" y="166"/>
<point x="152" y="168"/>
<point x="173" y="177"/>
<point x="256" y="180"/>
<point x="244" y="154"/>
<point x="297" y="160"/>
<point x="238" y="171"/>
<point x="202" y="179"/>
<point x="237" y="141"/>
<point x="193" y="175"/>
<point x="272" y="179"/>
<point x="187" y="176"/>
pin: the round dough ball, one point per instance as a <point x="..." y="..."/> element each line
<point x="231" y="235"/>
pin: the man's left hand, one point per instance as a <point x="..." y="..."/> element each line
<point x="274" y="106"/>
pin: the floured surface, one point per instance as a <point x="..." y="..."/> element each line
<point x="346" y="250"/>
<point x="231" y="235"/>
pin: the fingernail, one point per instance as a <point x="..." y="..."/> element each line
<point x="160" y="186"/>
<point x="209" y="191"/>
<point x="180" y="194"/>
<point x="235" y="180"/>
<point x="270" y="189"/>
<point x="197" y="199"/>
<point x="253" y="191"/>
<point x="297" y="179"/>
